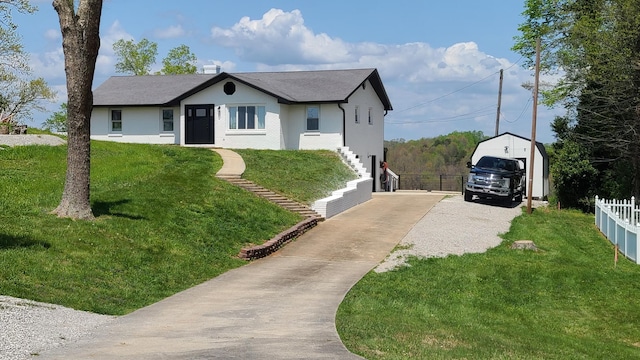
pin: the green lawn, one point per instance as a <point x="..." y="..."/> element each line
<point x="304" y="175"/>
<point x="163" y="224"/>
<point x="567" y="301"/>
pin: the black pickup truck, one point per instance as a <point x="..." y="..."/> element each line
<point x="495" y="178"/>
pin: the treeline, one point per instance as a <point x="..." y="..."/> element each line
<point x="432" y="163"/>
<point x="592" y="48"/>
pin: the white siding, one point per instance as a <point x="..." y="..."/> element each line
<point x="328" y="137"/>
<point x="139" y="125"/>
<point x="364" y="139"/>
<point x="268" y="138"/>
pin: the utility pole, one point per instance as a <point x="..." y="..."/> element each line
<point x="533" y="126"/>
<point x="499" y="101"/>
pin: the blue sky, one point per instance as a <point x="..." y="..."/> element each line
<point x="439" y="61"/>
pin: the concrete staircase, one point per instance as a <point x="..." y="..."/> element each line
<point x="356" y="192"/>
<point x="275" y="198"/>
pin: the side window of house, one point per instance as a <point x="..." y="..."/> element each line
<point x="370" y="116"/>
<point x="247" y="117"/>
<point x="357" y="115"/>
<point x="116" y="120"/>
<point x="167" y="120"/>
<point x="313" y="118"/>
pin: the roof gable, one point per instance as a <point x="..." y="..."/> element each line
<point x="324" y="86"/>
<point x="539" y="145"/>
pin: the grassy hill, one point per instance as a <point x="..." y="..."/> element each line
<point x="164" y="222"/>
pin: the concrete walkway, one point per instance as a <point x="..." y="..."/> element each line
<point x="232" y="165"/>
<point x="279" y="307"/>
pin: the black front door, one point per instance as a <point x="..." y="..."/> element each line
<point x="199" y="124"/>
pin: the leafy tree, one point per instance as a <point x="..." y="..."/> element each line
<point x="596" y="44"/>
<point x="135" y="58"/>
<point x="179" y="60"/>
<point x="573" y="176"/>
<point x="80" y="42"/>
<point x="12" y="57"/>
<point x="58" y="120"/>
<point x="22" y="97"/>
<point x="20" y="94"/>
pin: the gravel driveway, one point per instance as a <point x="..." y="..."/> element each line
<point x="454" y="227"/>
<point x="31" y="139"/>
<point x="451" y="227"/>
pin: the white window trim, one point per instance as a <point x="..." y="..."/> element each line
<point x="162" y="130"/>
<point x="306" y="119"/>
<point x="255" y="130"/>
<point x="111" y="131"/>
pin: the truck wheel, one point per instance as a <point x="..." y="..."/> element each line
<point x="519" y="198"/>
<point x="468" y="196"/>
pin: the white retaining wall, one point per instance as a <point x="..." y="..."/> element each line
<point x="356" y="192"/>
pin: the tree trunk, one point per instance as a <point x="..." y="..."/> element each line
<point x="80" y="43"/>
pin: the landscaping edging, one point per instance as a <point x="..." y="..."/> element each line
<point x="271" y="246"/>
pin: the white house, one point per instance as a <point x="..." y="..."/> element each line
<point x="262" y="110"/>
<point x="514" y="146"/>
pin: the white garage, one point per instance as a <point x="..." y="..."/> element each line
<point x="514" y="146"/>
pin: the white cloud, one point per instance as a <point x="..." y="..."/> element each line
<point x="52" y="34"/>
<point x="281" y="40"/>
<point x="433" y="90"/>
<point x="106" y="58"/>
<point x="49" y="65"/>
<point x="280" y="36"/>
<point x="172" y="32"/>
<point x="114" y="33"/>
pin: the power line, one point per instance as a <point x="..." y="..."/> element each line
<point x="466" y="116"/>
<point x="526" y="106"/>
<point x="445" y="95"/>
<point x="458" y="90"/>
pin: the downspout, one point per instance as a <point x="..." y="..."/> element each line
<point x="344" y="125"/>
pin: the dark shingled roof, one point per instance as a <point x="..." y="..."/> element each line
<point x="323" y="86"/>
<point x="146" y="90"/>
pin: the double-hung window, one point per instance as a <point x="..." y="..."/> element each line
<point x="313" y="118"/>
<point x="370" y="116"/>
<point x="247" y="117"/>
<point x="167" y="120"/>
<point x="116" y="120"/>
<point x="357" y="114"/>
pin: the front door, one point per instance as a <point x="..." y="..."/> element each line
<point x="199" y="124"/>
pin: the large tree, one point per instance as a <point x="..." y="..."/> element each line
<point x="179" y="60"/>
<point x="135" y="58"/>
<point x="594" y="46"/>
<point x="80" y="43"/>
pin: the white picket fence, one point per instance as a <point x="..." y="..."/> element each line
<point x="619" y="221"/>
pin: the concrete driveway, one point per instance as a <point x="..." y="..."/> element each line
<point x="279" y="307"/>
